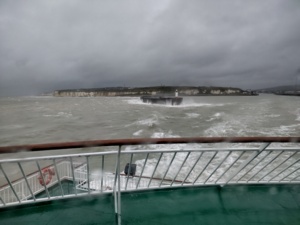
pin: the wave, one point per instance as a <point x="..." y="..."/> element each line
<point x="272" y="115"/>
<point x="216" y="116"/>
<point x="164" y="135"/>
<point x="192" y="105"/>
<point x="177" y="160"/>
<point x="298" y="114"/>
<point x="59" y="114"/>
<point x="238" y="127"/>
<point x="185" y="104"/>
<point x="192" y="115"/>
<point x="12" y="127"/>
<point x="138" y="133"/>
<point x="152" y="121"/>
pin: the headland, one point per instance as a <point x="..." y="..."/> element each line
<point x="153" y="91"/>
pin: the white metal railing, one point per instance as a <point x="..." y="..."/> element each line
<point x="29" y="185"/>
<point x="157" y="166"/>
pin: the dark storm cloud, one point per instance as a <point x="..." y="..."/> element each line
<point x="48" y="45"/>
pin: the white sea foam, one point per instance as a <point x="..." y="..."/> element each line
<point x="298" y="114"/>
<point x="272" y="115"/>
<point x="166" y="158"/>
<point x="138" y="101"/>
<point x="216" y="116"/>
<point x="49" y="115"/>
<point x="196" y="161"/>
<point x="163" y="135"/>
<point x="177" y="161"/>
<point x="185" y="104"/>
<point x="135" y="101"/>
<point x="59" y="114"/>
<point x="246" y="126"/>
<point x="191" y="105"/>
<point x="192" y="115"/>
<point x="288" y="129"/>
<point x="150" y="122"/>
<point x="138" y="133"/>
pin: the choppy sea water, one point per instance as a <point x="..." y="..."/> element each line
<point x="32" y="120"/>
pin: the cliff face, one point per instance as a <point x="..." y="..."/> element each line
<point x="160" y="90"/>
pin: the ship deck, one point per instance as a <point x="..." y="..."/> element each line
<point x="251" y="204"/>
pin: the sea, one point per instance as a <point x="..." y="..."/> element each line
<point x="47" y="119"/>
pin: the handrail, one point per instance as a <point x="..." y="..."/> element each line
<point x="121" y="142"/>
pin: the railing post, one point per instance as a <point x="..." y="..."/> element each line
<point x="117" y="193"/>
<point x="129" y="171"/>
<point x="119" y="187"/>
<point x="102" y="172"/>
<point x="88" y="173"/>
<point x="58" y="178"/>
<point x="73" y="175"/>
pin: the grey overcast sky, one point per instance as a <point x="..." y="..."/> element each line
<point x="61" y="44"/>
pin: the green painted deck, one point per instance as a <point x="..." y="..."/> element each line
<point x="213" y="205"/>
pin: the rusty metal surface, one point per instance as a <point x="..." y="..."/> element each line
<point x="121" y="142"/>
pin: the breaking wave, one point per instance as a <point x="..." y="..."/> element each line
<point x="185" y="104"/>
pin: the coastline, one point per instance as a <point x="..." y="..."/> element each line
<point x="155" y="91"/>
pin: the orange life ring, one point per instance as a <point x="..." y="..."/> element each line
<point x="47" y="174"/>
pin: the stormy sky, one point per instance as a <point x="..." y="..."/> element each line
<point x="61" y="44"/>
